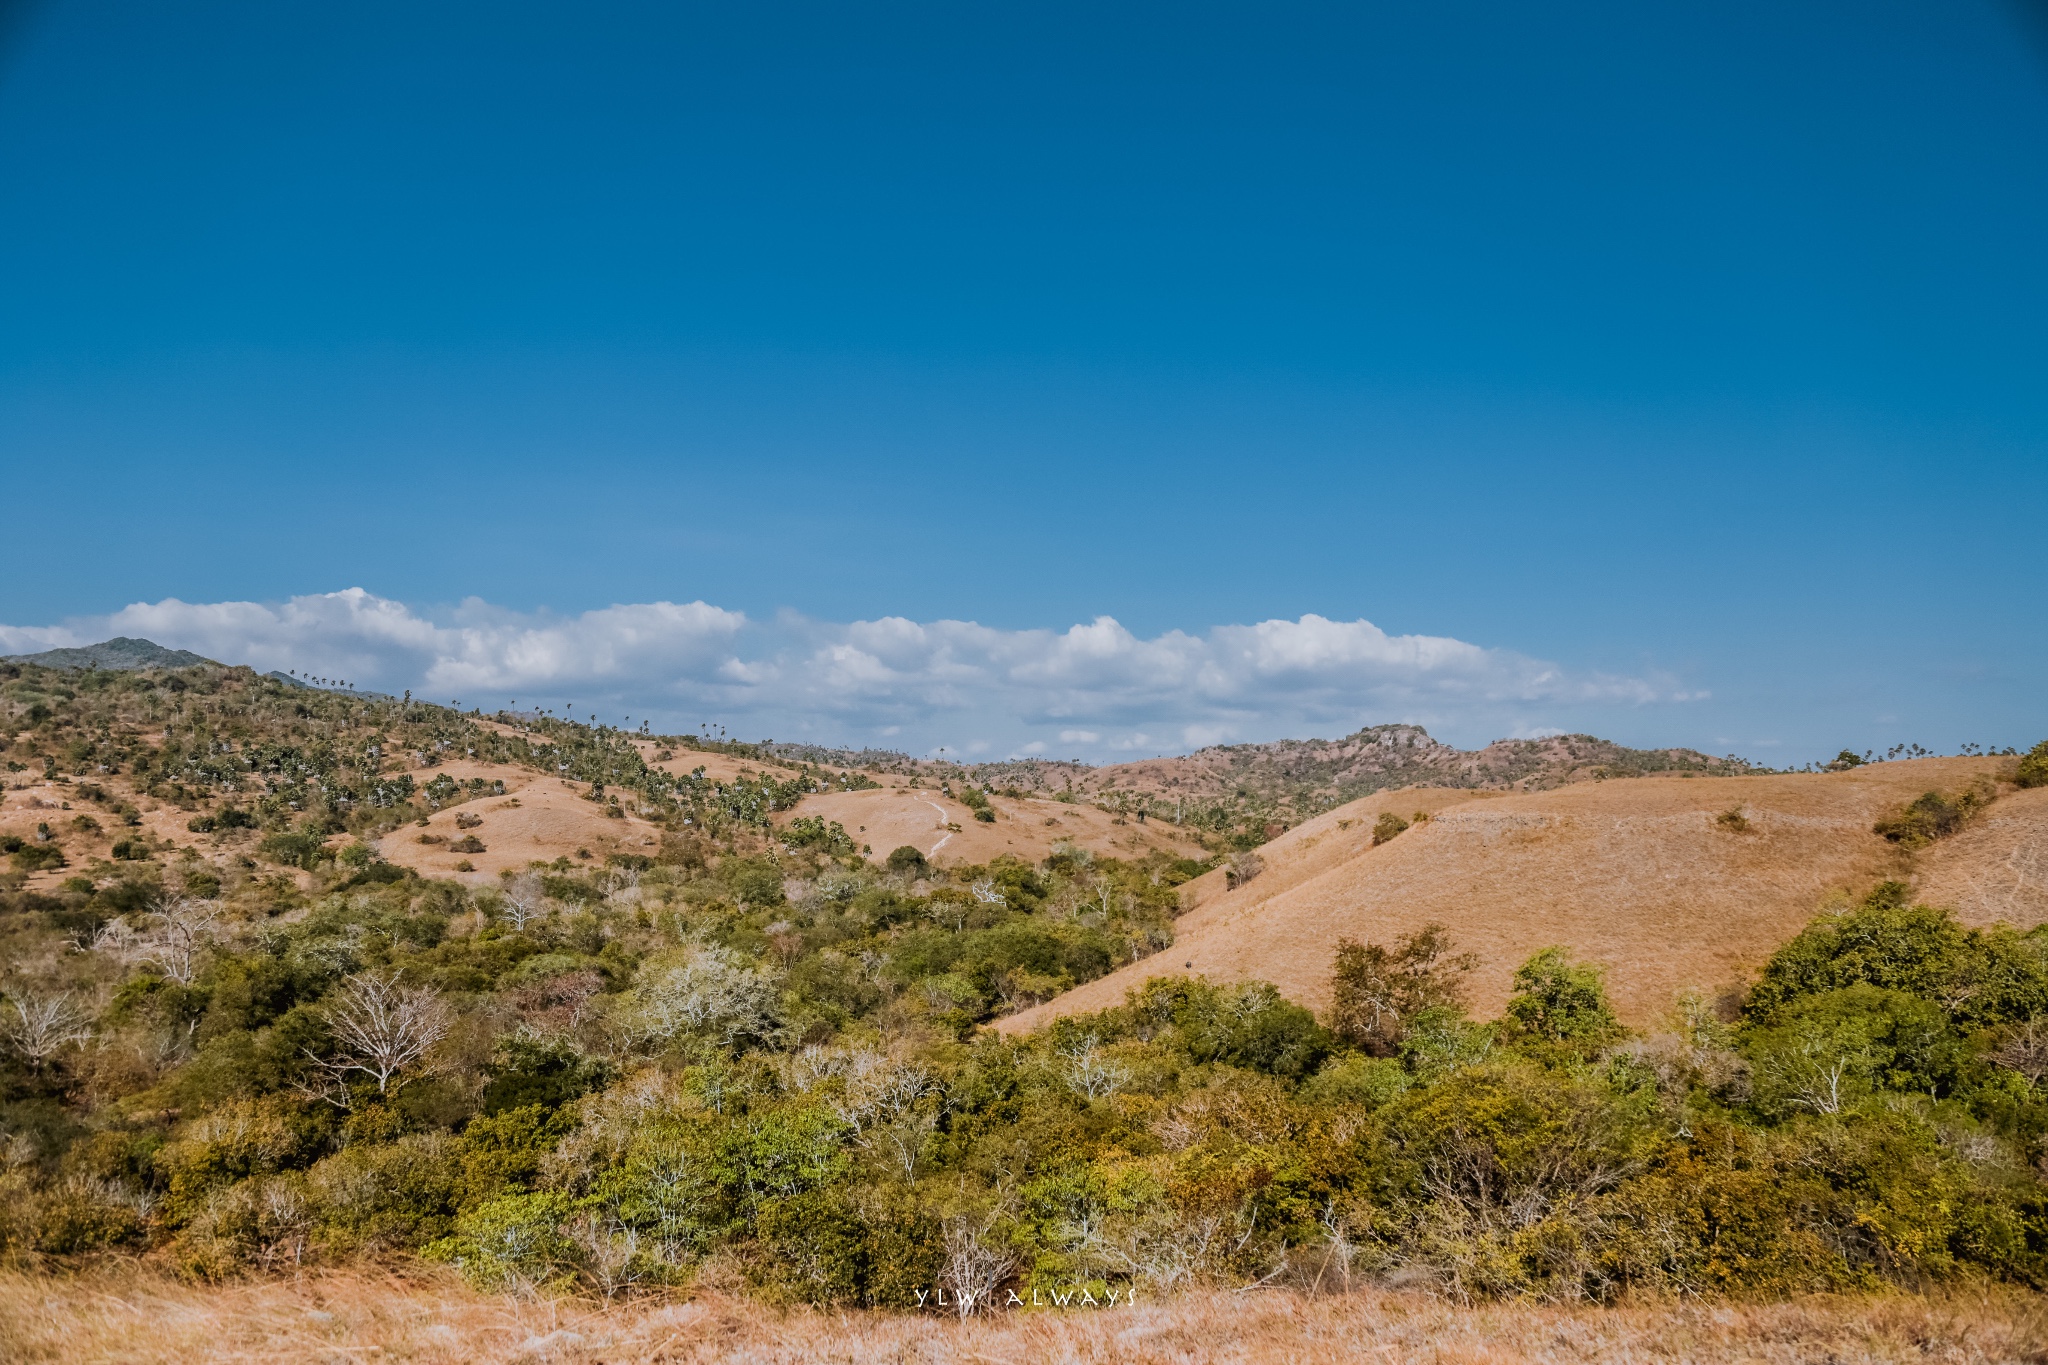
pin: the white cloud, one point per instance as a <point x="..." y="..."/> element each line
<point x="891" y="680"/>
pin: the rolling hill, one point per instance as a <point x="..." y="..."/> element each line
<point x="1643" y="877"/>
<point x="121" y="652"/>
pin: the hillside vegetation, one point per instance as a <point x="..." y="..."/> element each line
<point x="749" y="1057"/>
<point x="1238" y="792"/>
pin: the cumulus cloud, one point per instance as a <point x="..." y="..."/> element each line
<point x="1096" y="687"/>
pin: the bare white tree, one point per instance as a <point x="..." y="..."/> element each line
<point x="892" y="1107"/>
<point x="1815" y="1072"/>
<point x="1092" y="1074"/>
<point x="38" y="1024"/>
<point x="2026" y="1051"/>
<point x="985" y="892"/>
<point x="950" y="908"/>
<point x="113" y="936"/>
<point x="382" y="1027"/>
<point x="711" y="993"/>
<point x="971" y="1267"/>
<point x="622" y="888"/>
<point x="180" y="928"/>
<point x="611" y="1253"/>
<point x="525" y="901"/>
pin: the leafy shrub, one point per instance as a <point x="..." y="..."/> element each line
<point x="809" y="1247"/>
<point x="1991" y="977"/>
<point x="755" y="881"/>
<point x="1929" y="817"/>
<point x="304" y="847"/>
<point x="2033" y="767"/>
<point x="814" y="832"/>
<point x="1494" y="1173"/>
<point x="73" y="1216"/>
<point x="1369" y="1082"/>
<point x="539" y="1072"/>
<point x="1250" y="1026"/>
<point x="1378" y="991"/>
<point x="1559" y="1001"/>
<point x="37" y="858"/>
<point x="1386" y="827"/>
<point x="906" y="859"/>
<point x="390" y="1195"/>
<point x="227" y="817"/>
<point x="514" y="1243"/>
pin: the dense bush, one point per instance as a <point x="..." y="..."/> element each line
<point x="1930" y="816"/>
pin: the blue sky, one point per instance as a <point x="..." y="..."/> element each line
<point x="1689" y="363"/>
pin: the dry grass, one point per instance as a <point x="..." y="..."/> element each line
<point x="888" y="818"/>
<point x="539" y="818"/>
<point x="1640" y="875"/>
<point x="1997" y="868"/>
<point x="132" y="1316"/>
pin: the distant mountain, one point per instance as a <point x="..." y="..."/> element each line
<point x="1386" y="756"/>
<point x="121" y="652"/>
<point x="1291" y="778"/>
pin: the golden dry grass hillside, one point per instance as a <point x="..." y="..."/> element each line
<point x="363" y="1317"/>
<point x="536" y="819"/>
<point x="1318" y="772"/>
<point x="945" y="831"/>
<point x="1642" y="876"/>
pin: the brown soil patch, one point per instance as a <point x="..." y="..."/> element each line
<point x="717" y="767"/>
<point x="34" y="802"/>
<point x="538" y="819"/>
<point x="888" y="818"/>
<point x="1638" y="875"/>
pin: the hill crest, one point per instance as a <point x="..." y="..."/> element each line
<point x="1293" y="779"/>
<point x="121" y="652"/>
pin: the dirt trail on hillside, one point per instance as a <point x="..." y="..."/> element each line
<point x="1639" y="875"/>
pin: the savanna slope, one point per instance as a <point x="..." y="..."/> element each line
<point x="1671" y="883"/>
<point x="245" y="1041"/>
<point x="1239" y="790"/>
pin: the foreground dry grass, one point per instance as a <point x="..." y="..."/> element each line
<point x="362" y="1317"/>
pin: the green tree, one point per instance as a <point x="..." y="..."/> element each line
<point x="1377" y="992"/>
<point x="1563" y="1002"/>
